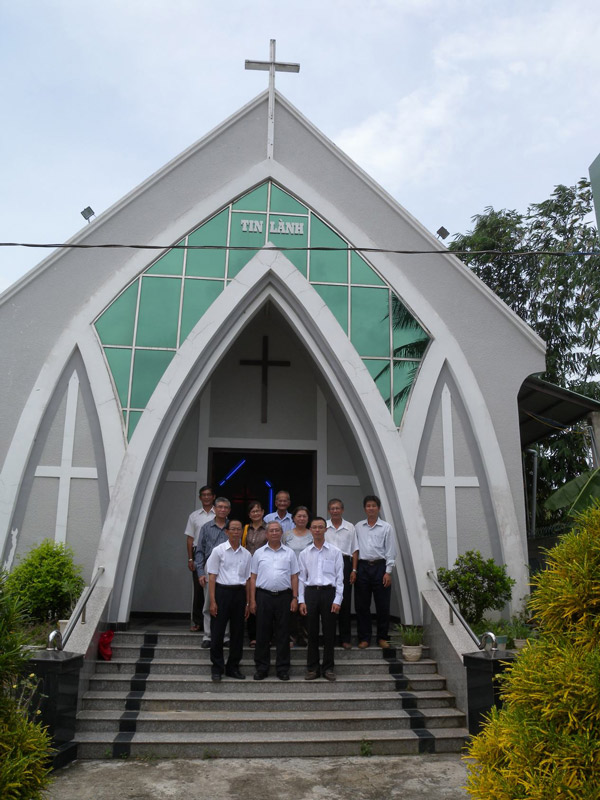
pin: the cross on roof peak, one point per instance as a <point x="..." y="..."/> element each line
<point x="272" y="66"/>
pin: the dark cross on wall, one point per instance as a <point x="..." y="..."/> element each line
<point x="264" y="364"/>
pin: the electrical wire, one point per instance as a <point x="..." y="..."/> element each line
<point x="116" y="246"/>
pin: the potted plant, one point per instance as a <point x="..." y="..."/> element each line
<point x="412" y="642"/>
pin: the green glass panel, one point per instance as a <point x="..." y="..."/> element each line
<point x="115" y="324"/>
<point x="255" y="200"/>
<point x="170" y="264"/>
<point x="327" y="266"/>
<point x="380" y="372"/>
<point x="282" y="202"/>
<point x="362" y="272"/>
<point x="290" y="232"/>
<point x="370" y="325"/>
<point x="404" y="375"/>
<point x="148" y="368"/>
<point x="159" y="312"/>
<point x="119" y="361"/>
<point x="409" y="338"/>
<point x="197" y="297"/>
<point x="134" y="418"/>
<point x="336" y="298"/>
<point x="247" y="230"/>
<point x="208" y="263"/>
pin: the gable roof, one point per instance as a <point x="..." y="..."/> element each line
<point x="237" y="145"/>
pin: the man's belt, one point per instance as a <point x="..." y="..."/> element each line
<point x="376" y="561"/>
<point x="273" y="594"/>
<point x="231" y="585"/>
<point x="318" y="586"/>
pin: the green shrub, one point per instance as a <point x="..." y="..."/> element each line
<point x="545" y="741"/>
<point x="24" y="744"/>
<point x="476" y="585"/>
<point x="12" y="639"/>
<point x="24" y="755"/>
<point x="47" y="581"/>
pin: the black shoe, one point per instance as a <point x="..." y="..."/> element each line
<point x="260" y="676"/>
<point x="235" y="673"/>
<point x="215" y="677"/>
<point x="283" y="676"/>
<point x="329" y="676"/>
<point x="206" y="644"/>
<point x="311" y="676"/>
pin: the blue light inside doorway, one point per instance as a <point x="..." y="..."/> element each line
<point x="233" y="471"/>
<point x="270" y="495"/>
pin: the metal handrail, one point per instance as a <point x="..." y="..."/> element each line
<point x="480" y="642"/>
<point x="56" y="639"/>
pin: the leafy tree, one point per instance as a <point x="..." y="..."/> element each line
<point x="557" y="295"/>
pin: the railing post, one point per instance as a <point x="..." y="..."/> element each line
<point x="58" y="641"/>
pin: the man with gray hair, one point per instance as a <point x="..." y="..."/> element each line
<point x="211" y="534"/>
<point x="273" y="595"/>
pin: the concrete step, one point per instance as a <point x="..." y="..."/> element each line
<point x="274" y="721"/>
<point x="155" y="698"/>
<point x="203" y="683"/>
<point x="192" y="666"/>
<point x="136" y="638"/>
<point x="256" y="702"/>
<point x="260" y="744"/>
<point x="197" y="651"/>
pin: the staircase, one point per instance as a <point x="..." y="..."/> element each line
<point x="156" y="699"/>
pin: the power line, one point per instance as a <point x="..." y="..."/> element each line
<point x="118" y="246"/>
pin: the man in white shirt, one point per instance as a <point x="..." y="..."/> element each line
<point x="273" y="595"/>
<point x="228" y="569"/>
<point x="376" y="560"/>
<point x="321" y="587"/>
<point x="282" y="515"/>
<point x="194" y="525"/>
<point x="340" y="533"/>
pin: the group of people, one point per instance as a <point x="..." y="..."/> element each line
<point x="287" y="577"/>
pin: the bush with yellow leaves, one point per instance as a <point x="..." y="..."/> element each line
<point x="544" y="744"/>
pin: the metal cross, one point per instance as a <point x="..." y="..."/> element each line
<point x="264" y="363"/>
<point x="273" y="67"/>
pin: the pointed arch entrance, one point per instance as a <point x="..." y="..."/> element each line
<point x="268" y="280"/>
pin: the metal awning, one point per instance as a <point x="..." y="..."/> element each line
<point x="545" y="409"/>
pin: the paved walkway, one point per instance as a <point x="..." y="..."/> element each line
<point x="430" y="777"/>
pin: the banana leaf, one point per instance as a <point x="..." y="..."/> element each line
<point x="576" y="494"/>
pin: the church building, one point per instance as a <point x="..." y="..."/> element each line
<point x="283" y="324"/>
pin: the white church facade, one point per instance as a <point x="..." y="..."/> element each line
<point x="275" y="331"/>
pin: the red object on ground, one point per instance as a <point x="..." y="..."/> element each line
<point x="104" y="648"/>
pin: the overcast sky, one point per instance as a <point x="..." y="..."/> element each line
<point x="452" y="105"/>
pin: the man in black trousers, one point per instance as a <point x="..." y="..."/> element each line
<point x="273" y="595"/>
<point x="321" y="588"/>
<point x="228" y="568"/>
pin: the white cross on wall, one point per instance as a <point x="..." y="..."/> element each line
<point x="66" y="472"/>
<point x="272" y="66"/>
<point x="449" y="480"/>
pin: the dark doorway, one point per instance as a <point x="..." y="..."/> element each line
<point x="244" y="475"/>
